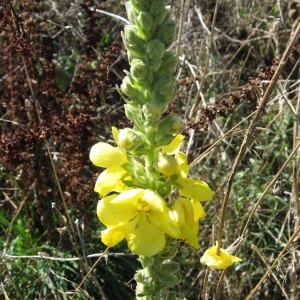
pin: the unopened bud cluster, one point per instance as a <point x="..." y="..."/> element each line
<point x="150" y="86"/>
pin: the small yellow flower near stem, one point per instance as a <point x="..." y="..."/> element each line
<point x="222" y="261"/>
<point x="190" y="188"/>
<point x="141" y="217"/>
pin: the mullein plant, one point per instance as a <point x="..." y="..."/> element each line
<point x="146" y="166"/>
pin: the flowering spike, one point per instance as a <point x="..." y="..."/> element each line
<point x="146" y="167"/>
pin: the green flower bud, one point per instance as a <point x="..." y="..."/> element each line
<point x="145" y="20"/>
<point x="165" y="33"/>
<point x="129" y="139"/>
<point x="157" y="7"/>
<point x="133" y="42"/>
<point x="139" y="70"/>
<point x="166" y="165"/>
<point x="172" y="122"/>
<point x="170" y="281"/>
<point x="168" y="66"/>
<point x="166" y="128"/>
<point x="152" y="111"/>
<point x="169" y="267"/>
<point x="160" y="12"/>
<point x="131" y="12"/>
<point x="147" y="261"/>
<point x="141" y="4"/>
<point x="164" y="89"/>
<point x="131" y="36"/>
<point x="155" y="49"/>
<point x="130" y="90"/>
<point x="132" y="111"/>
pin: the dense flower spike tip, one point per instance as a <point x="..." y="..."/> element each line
<point x="141" y="217"/>
<point x="222" y="261"/>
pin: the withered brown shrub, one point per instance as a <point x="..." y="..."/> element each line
<point x="36" y="114"/>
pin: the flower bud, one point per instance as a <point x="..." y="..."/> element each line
<point x="157" y="7"/>
<point x="133" y="42"/>
<point x="166" y="165"/>
<point x="161" y="15"/>
<point x="155" y="49"/>
<point x="139" y="70"/>
<point x="171" y="124"/>
<point x="145" y="20"/>
<point x="164" y="89"/>
<point x="165" y="33"/>
<point x="129" y="139"/>
<point x="152" y="111"/>
<point x="132" y="111"/>
<point x="127" y="87"/>
<point x="168" y="66"/>
<point x="166" y="129"/>
<point x="131" y="12"/>
<point x="141" y="4"/>
<point x="131" y="36"/>
<point x="147" y="261"/>
<point x="169" y="267"/>
<point x="170" y="281"/>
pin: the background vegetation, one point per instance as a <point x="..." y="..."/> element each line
<point x="60" y="62"/>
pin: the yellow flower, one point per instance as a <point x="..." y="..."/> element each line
<point x="172" y="151"/>
<point x="222" y="261"/>
<point x="178" y="164"/>
<point x="106" y="156"/>
<point x="183" y="212"/>
<point x="141" y="217"/>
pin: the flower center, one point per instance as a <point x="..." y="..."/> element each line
<point x="143" y="206"/>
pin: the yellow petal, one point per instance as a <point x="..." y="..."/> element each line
<point x="182" y="164"/>
<point x="163" y="220"/>
<point x="115" y="133"/>
<point x="199" y="212"/>
<point x="113" y="235"/>
<point x="184" y="212"/>
<point x="143" y="237"/>
<point x="104" y="155"/>
<point x="159" y="214"/>
<point x="119" y="210"/>
<point x="109" y="180"/>
<point x="195" y="189"/>
<point x="184" y="215"/>
<point x="155" y="201"/>
<point x="174" y="146"/>
<point x="190" y="235"/>
<point x="222" y="261"/>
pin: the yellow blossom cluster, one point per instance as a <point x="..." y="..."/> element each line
<point x="141" y="215"/>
